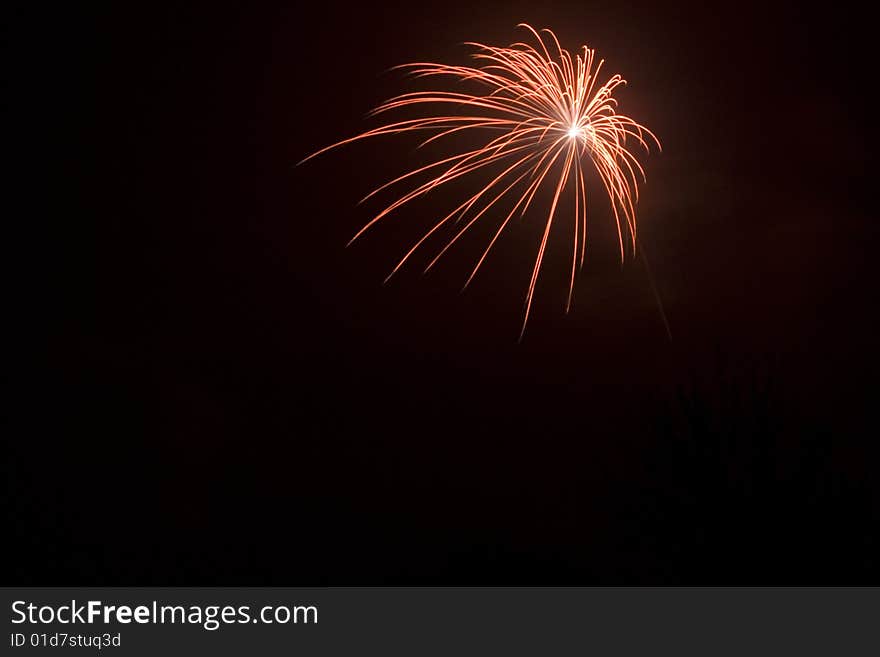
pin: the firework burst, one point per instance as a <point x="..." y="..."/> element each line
<point x="541" y="118"/>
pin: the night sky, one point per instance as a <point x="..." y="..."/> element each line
<point x="232" y="396"/>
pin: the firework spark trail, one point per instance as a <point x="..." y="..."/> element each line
<point x="548" y="109"/>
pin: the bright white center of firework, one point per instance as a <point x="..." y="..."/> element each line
<point x="575" y="131"/>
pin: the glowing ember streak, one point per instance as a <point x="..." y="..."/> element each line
<point x="548" y="110"/>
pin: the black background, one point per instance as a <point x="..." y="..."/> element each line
<point x="229" y="395"/>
